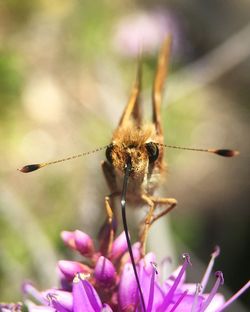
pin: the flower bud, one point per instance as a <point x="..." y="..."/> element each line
<point x="104" y="271"/>
<point x="71" y="268"/>
<point x="119" y="246"/>
<point x="83" y="243"/>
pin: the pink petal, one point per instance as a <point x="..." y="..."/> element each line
<point x="128" y="290"/>
<point x="216" y="303"/>
<point x="186" y="303"/>
<point x="64" y="298"/>
<point x="85" y="297"/>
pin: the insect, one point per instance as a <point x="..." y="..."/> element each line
<point x="142" y="147"/>
<point x="135" y="158"/>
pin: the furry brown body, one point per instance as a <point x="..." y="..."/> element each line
<point x="130" y="141"/>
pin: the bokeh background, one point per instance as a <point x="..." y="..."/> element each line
<point x="66" y="68"/>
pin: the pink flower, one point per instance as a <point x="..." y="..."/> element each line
<point x="146" y="31"/>
<point x="106" y="282"/>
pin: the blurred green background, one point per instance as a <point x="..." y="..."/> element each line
<point x="66" y="68"/>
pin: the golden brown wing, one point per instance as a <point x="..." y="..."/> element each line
<point x="133" y="107"/>
<point x="160" y="76"/>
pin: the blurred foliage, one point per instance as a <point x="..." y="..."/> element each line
<point x="10" y="82"/>
<point x="15" y="14"/>
<point x="63" y="85"/>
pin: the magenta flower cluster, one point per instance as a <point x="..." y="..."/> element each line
<point x="106" y="282"/>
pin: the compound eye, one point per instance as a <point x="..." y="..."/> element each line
<point x="153" y="151"/>
<point x="109" y="153"/>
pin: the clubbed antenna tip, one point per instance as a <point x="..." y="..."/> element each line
<point x="30" y="168"/>
<point x="226" y="152"/>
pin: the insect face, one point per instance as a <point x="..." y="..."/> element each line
<point x="120" y="155"/>
<point x="136" y="145"/>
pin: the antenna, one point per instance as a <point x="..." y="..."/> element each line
<point x="33" y="167"/>
<point x="220" y="152"/>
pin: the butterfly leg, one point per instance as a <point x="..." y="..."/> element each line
<point x="108" y="229"/>
<point x="147" y="222"/>
<point x="169" y="204"/>
<point x="151" y="217"/>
